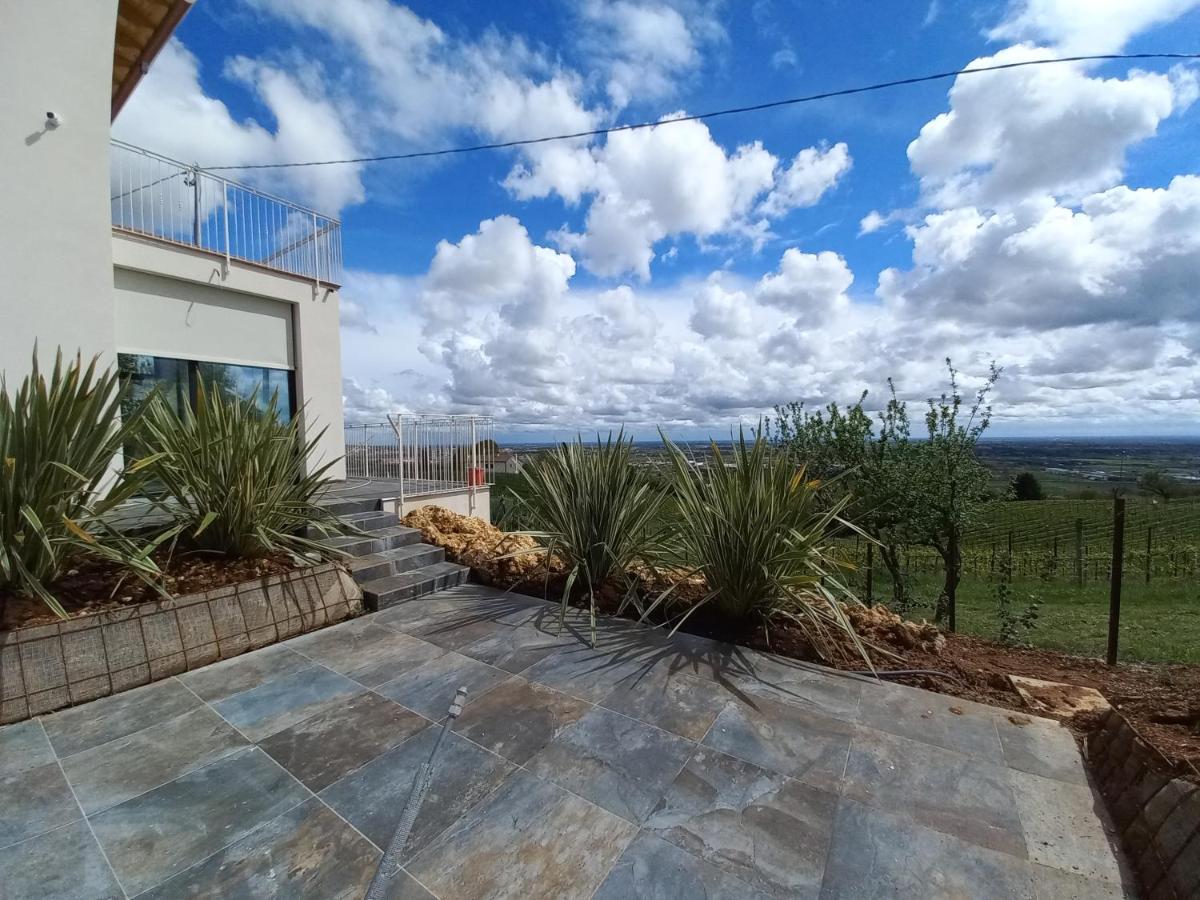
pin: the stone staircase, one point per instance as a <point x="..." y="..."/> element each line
<point x="390" y="563"/>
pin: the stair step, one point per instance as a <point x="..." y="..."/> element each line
<point x="381" y="593"/>
<point x="376" y="520"/>
<point x="349" y="506"/>
<point x="377" y="542"/>
<point x="392" y="562"/>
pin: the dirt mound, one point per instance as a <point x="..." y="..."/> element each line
<point x="473" y="542"/>
<point x="879" y="625"/>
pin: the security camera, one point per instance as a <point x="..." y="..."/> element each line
<point x="52" y="120"/>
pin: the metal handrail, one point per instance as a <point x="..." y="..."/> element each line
<point x="426" y="454"/>
<point x="155" y="196"/>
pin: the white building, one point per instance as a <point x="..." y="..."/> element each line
<point x="174" y="275"/>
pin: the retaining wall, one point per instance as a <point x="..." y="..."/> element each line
<point x="47" y="667"/>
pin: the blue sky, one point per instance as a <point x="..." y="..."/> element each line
<point x="696" y="275"/>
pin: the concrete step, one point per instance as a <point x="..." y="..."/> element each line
<point x="346" y="506"/>
<point x="381" y="593"/>
<point x="375" y="520"/>
<point x="394" y="561"/>
<point x="387" y="539"/>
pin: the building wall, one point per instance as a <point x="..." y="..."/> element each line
<point x="55" y="56"/>
<point x="237" y="316"/>
<point x="465" y="502"/>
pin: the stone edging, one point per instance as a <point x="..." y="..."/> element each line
<point x="47" y="667"/>
<point x="1158" y="816"/>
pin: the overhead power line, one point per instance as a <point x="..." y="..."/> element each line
<point x="737" y="110"/>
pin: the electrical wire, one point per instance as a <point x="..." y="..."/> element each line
<point x="737" y="110"/>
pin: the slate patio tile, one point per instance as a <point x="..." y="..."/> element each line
<point x="109" y="718"/>
<point x="372" y="798"/>
<point x="65" y="864"/>
<point x="760" y="826"/>
<point x="1041" y="747"/>
<point x="365" y="652"/>
<point x="33" y="802"/>
<point x="437" y="612"/>
<point x="784" y="738"/>
<point x="947" y="791"/>
<point x="653" y="869"/>
<point x="586" y="673"/>
<point x="1055" y="884"/>
<point x="1063" y="826"/>
<point x="430" y="687"/>
<point x="528" y="840"/>
<point x="875" y="854"/>
<point x="324" y="747"/>
<point x="111" y="773"/>
<point x="674" y="700"/>
<point x="796" y="683"/>
<point x="618" y="763"/>
<point x="929" y="718"/>
<point x="160" y="833"/>
<point x="280" y="703"/>
<point x="308" y="853"/>
<point x="23" y="746"/>
<point x="514" y="648"/>
<point x="242" y="673"/>
<point x="518" y="718"/>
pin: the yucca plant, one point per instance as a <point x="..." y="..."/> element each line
<point x="594" y="510"/>
<point x="758" y="532"/>
<point x="60" y="447"/>
<point x="232" y="477"/>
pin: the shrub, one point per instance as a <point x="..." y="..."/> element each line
<point x="59" y="440"/>
<point x="757" y="531"/>
<point x="233" y="477"/>
<point x="592" y="509"/>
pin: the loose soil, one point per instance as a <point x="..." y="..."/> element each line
<point x="95" y="587"/>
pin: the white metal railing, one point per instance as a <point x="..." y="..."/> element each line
<point x="172" y="201"/>
<point x="425" y="454"/>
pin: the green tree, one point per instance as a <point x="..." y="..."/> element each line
<point x="1027" y="487"/>
<point x="1159" y="484"/>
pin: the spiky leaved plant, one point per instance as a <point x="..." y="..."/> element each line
<point x="592" y="509"/>
<point x="233" y="477"/>
<point x="759" y="533"/>
<point x="61" y="474"/>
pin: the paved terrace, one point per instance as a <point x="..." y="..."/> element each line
<point x="647" y="768"/>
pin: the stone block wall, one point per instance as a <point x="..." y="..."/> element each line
<point x="1158" y="816"/>
<point x="47" y="667"/>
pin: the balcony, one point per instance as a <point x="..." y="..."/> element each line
<point x="156" y="197"/>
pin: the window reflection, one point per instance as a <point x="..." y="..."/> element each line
<point x="178" y="379"/>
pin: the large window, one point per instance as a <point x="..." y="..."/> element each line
<point x="177" y="379"/>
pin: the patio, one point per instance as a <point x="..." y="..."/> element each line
<point x="649" y="767"/>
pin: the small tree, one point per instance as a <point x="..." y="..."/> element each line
<point x="951" y="482"/>
<point x="1159" y="484"/>
<point x="1027" y="487"/>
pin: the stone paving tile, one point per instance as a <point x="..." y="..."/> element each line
<point x="762" y="827"/>
<point x="760" y="675"/>
<point x="307" y="853"/>
<point x="528" y="840"/>
<point x="448" y="609"/>
<point x="241" y="673"/>
<point x="653" y="869"/>
<point x="280" y="703"/>
<point x="618" y="763"/>
<point x="791" y="740"/>
<point x="405" y="887"/>
<point x="1063" y="826"/>
<point x="372" y="798"/>
<point x="674" y="700"/>
<point x="514" y="648"/>
<point x="455" y="636"/>
<point x="35" y="801"/>
<point x="365" y="652"/>
<point x="430" y="687"/>
<point x="106" y="775"/>
<point x="160" y="833"/>
<point x="493" y="721"/>
<point x="875" y="854"/>
<point x="1055" y="884"/>
<point x="931" y="719"/>
<point x="586" y="673"/>
<point x="324" y="747"/>
<point x="109" y="718"/>
<point x="947" y="791"/>
<point x="1041" y="747"/>
<point x="65" y="864"/>
<point x="23" y="746"/>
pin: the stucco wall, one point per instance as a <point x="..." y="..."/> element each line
<point x="477" y="503"/>
<point x="55" y="56"/>
<point x="202" y="277"/>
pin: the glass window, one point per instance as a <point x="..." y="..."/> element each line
<point x="177" y="380"/>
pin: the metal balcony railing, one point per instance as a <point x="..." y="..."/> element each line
<point x="154" y="196"/>
<point x="425" y="454"/>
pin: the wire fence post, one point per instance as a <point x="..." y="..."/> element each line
<point x="870" y="574"/>
<point x="1114" y="590"/>
<point x="1079" y="551"/>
